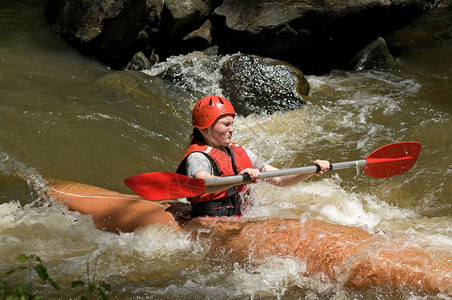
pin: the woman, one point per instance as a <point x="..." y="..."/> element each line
<point x="211" y="153"/>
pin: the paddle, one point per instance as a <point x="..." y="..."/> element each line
<point x="387" y="161"/>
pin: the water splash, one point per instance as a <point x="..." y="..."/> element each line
<point x="11" y="167"/>
<point x="328" y="200"/>
<point x="194" y="72"/>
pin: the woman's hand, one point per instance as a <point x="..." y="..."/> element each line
<point x="253" y="173"/>
<point x="324" y="166"/>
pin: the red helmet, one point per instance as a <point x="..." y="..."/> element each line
<point x="208" y="109"/>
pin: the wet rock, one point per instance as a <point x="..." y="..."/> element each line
<point x="315" y="36"/>
<point x="375" y="56"/>
<point x="196" y="72"/>
<point x="110" y="30"/>
<point x="257" y="84"/>
<point x="252" y="83"/>
<point x="139" y="62"/>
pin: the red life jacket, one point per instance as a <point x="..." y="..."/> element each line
<point x="222" y="164"/>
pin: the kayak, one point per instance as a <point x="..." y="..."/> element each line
<point x="347" y="255"/>
<point x="111" y="211"/>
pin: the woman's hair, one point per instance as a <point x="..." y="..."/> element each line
<point x="196" y="134"/>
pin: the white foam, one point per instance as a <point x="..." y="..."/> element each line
<point x="9" y="213"/>
<point x="196" y="72"/>
<point x="325" y="199"/>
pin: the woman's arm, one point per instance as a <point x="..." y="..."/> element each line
<point x="253" y="173"/>
<point x="294" y="179"/>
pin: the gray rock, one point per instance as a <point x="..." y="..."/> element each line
<point x="110" y="30"/>
<point x="252" y="83"/>
<point x="374" y="56"/>
<point x="139" y="62"/>
<point x="184" y="16"/>
<point x="257" y="84"/>
<point x="315" y="36"/>
<point x="199" y="39"/>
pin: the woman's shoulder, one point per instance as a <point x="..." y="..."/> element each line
<point x="196" y="155"/>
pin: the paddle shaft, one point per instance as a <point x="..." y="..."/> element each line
<point x="302" y="170"/>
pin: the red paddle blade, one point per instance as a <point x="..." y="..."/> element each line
<point x="164" y="185"/>
<point x="392" y="159"/>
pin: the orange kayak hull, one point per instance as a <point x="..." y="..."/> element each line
<point x="349" y="256"/>
<point x="111" y="211"/>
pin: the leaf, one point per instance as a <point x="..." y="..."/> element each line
<point x="53" y="283"/>
<point x="22" y="257"/>
<point x="42" y="272"/>
<point x="9" y="272"/>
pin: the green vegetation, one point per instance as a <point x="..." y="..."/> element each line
<point x="24" y="290"/>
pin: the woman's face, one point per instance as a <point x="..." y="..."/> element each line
<point x="220" y="133"/>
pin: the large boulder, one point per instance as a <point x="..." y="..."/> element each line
<point x="261" y="84"/>
<point x="374" y="56"/>
<point x="315" y="36"/>
<point x="110" y="30"/>
<point x="252" y="83"/>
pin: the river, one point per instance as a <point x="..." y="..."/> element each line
<point x="65" y="116"/>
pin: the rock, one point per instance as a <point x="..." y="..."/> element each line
<point x="184" y="16"/>
<point x="139" y="62"/>
<point x="111" y="31"/>
<point x="375" y="56"/>
<point x="200" y="38"/>
<point x="211" y="50"/>
<point x="154" y="58"/>
<point x="257" y="84"/>
<point x="314" y="36"/>
<point x="253" y="84"/>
